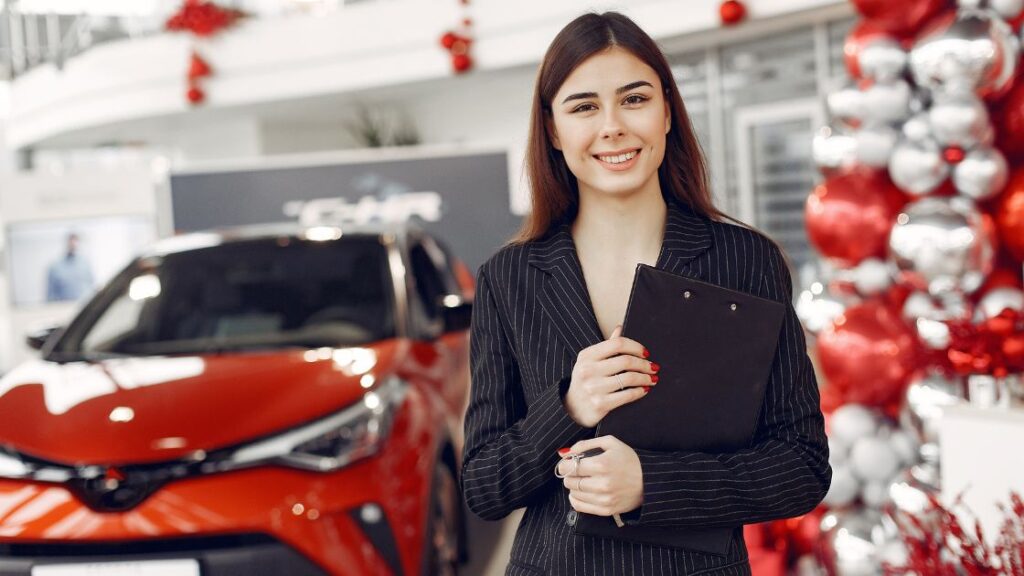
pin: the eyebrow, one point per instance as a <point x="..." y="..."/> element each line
<point x="626" y="88"/>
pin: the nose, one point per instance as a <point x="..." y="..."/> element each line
<point x="612" y="127"/>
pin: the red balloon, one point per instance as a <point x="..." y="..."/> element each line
<point x="849" y="217"/>
<point x="1010" y="215"/>
<point x="900" y="17"/>
<point x="868" y="355"/>
<point x="732" y="12"/>
<point x="1009" y="122"/>
<point x="863" y="34"/>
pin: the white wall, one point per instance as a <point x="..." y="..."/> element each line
<point x="360" y="47"/>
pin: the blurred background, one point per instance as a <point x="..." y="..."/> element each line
<point x="880" y="143"/>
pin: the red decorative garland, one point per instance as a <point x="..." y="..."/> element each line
<point x="201" y="19"/>
<point x="929" y="550"/>
<point x="458" y="43"/>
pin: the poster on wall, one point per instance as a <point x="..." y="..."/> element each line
<point x="466" y="194"/>
<point x="52" y="261"/>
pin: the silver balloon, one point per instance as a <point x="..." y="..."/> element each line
<point x="886" y="102"/>
<point x="1008" y="9"/>
<point x="846" y="104"/>
<point x="818" y="311"/>
<point x="933" y="333"/>
<point x="959" y="119"/>
<point x="918" y="128"/>
<point x="981" y="174"/>
<point x="909" y="494"/>
<point x="973" y="49"/>
<point x="872" y="276"/>
<point x="999" y="299"/>
<point x="918" y="167"/>
<point x="851" y="541"/>
<point x="833" y="148"/>
<point x="924" y="403"/>
<point x="874" y="145"/>
<point x="943" y="243"/>
<point x="882" y="60"/>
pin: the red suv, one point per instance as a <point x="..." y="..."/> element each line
<point x="272" y="400"/>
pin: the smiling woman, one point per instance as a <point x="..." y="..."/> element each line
<point x="618" y="179"/>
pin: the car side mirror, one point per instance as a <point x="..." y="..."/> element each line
<point x="456" y="312"/>
<point x="37" y="338"/>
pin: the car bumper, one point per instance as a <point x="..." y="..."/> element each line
<point x="311" y="523"/>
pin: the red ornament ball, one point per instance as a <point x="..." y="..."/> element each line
<point x="195" y="95"/>
<point x="953" y="154"/>
<point x="462" y="62"/>
<point x="448" y="40"/>
<point x="732" y="12"/>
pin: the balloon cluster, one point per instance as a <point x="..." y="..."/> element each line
<point x="920" y="224"/>
<point x="920" y="217"/>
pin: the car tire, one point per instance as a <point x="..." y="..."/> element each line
<point x="441" y="557"/>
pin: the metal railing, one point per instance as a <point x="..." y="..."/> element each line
<point x="29" y="39"/>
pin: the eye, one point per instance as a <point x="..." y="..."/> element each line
<point x="635" y="99"/>
<point x="583" y="108"/>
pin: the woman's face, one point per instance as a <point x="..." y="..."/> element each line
<point x="609" y="119"/>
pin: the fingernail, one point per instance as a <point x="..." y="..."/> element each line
<point x="647" y="353"/>
<point x="647" y="389"/>
<point x="564" y="451"/>
<point x="654" y="378"/>
<point x="655" y="367"/>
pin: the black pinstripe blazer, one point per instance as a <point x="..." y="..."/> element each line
<point x="532" y="315"/>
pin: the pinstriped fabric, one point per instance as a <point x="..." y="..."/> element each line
<point x="531" y="317"/>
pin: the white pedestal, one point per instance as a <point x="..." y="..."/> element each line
<point x="983" y="457"/>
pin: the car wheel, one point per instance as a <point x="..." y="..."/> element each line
<point x="443" y="525"/>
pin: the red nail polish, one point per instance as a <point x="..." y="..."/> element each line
<point x="647" y="353"/>
<point x="655" y="367"/>
<point x="654" y="378"/>
<point x="564" y="451"/>
<point x="647" y="389"/>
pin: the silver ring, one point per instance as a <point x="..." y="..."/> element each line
<point x="618" y="378"/>
<point x="575" y="464"/>
<point x="557" y="475"/>
<point x="579" y="484"/>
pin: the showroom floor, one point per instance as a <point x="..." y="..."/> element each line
<point x="490" y="544"/>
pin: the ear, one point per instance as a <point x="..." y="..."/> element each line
<point x="549" y="123"/>
<point x="668" y="115"/>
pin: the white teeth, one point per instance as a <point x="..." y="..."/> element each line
<point x="618" y="159"/>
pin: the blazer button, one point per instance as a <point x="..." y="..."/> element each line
<point x="570" y="517"/>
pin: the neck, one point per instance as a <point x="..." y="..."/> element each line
<point x="631" y="227"/>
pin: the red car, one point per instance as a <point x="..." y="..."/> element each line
<point x="264" y="401"/>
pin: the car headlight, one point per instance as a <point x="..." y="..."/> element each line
<point x="332" y="442"/>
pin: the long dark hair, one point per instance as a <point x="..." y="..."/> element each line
<point x="554" y="190"/>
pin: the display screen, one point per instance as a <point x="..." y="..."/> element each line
<point x="67" y="260"/>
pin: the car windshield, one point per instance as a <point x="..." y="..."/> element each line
<point x="266" y="293"/>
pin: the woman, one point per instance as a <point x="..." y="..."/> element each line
<point x="618" y="178"/>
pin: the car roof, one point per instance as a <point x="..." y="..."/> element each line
<point x="221" y="236"/>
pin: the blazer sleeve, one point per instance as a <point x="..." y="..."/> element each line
<point x="511" y="448"/>
<point x="784" y="473"/>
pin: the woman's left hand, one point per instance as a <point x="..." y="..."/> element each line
<point x="606" y="484"/>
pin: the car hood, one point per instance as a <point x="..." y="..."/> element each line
<point x="150" y="409"/>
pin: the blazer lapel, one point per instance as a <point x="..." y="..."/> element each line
<point x="563" y="292"/>
<point x="687" y="236"/>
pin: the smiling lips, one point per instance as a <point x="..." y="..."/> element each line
<point x="618" y="162"/>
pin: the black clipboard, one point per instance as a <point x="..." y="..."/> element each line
<point x="715" y="347"/>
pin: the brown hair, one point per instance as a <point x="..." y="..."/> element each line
<point x="554" y="190"/>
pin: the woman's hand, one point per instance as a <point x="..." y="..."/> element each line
<point x="606" y="484"/>
<point x="607" y="375"/>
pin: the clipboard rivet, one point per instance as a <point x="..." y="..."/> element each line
<point x="733" y="307"/>
<point x="686" y="294"/>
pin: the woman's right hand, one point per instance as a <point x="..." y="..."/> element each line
<point x="607" y="375"/>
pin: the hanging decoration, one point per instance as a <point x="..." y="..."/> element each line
<point x="732" y="12"/>
<point x="458" y="42"/>
<point x="201" y="20"/>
